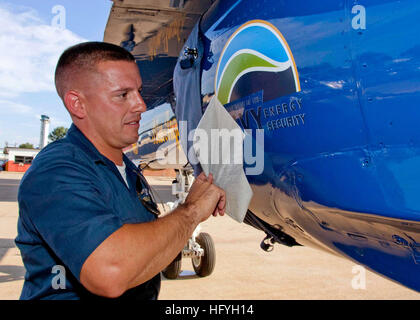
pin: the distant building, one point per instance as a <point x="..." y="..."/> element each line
<point x="19" y="159"/>
<point x="3" y="156"/>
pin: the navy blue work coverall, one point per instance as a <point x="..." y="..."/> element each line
<point x="70" y="200"/>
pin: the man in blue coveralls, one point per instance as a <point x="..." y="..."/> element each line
<point x="80" y="213"/>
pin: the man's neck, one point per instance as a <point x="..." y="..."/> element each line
<point x="113" y="154"/>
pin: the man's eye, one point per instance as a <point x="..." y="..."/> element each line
<point x="141" y="91"/>
<point x="123" y="95"/>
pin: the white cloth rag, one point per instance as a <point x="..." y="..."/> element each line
<point x="223" y="159"/>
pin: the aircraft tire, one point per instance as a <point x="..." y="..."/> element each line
<point x="204" y="265"/>
<point x="174" y="269"/>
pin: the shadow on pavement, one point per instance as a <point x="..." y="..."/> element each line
<point x="13" y="273"/>
<point x="184" y="275"/>
<point x="5" y="244"/>
<point x="9" y="273"/>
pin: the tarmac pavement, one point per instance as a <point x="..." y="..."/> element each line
<point x="243" y="271"/>
<point x="8" y="189"/>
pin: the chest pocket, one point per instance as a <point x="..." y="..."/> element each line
<point x="129" y="208"/>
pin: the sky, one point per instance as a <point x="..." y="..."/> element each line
<point x="33" y="34"/>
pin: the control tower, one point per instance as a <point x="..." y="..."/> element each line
<point x="45" y="128"/>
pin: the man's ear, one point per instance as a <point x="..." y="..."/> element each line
<point x="74" y="104"/>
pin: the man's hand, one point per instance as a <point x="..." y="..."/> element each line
<point x="206" y="197"/>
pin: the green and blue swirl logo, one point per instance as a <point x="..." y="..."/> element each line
<point x="256" y="57"/>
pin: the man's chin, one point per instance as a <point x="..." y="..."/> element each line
<point x="129" y="142"/>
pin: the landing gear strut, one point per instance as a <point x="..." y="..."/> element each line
<point x="200" y="247"/>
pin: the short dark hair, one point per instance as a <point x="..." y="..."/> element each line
<point x="84" y="57"/>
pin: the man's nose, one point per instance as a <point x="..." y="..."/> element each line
<point x="139" y="104"/>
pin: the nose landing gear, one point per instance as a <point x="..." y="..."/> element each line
<point x="204" y="265"/>
<point x="202" y="253"/>
<point x="200" y="247"/>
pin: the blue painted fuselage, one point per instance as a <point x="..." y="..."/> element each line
<point x="335" y="85"/>
<point x="341" y="136"/>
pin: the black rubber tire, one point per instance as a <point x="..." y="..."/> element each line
<point x="174" y="269"/>
<point x="204" y="266"/>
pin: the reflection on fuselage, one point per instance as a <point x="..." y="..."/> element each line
<point x="158" y="144"/>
